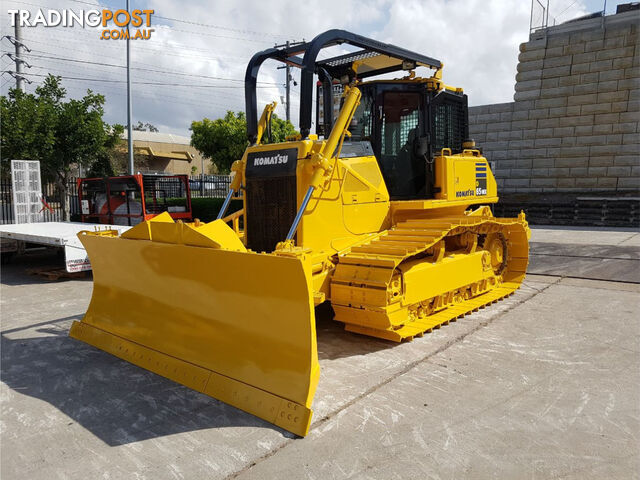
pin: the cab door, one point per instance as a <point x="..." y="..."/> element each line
<point x="400" y="122"/>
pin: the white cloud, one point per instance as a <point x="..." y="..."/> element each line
<point x="476" y="40"/>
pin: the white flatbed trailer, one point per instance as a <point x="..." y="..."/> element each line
<point x="58" y="234"/>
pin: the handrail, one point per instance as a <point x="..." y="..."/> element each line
<point x="234" y="218"/>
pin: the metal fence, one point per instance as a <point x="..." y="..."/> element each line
<point x="6" y="209"/>
<point x="51" y="201"/>
<point x="207" y="186"/>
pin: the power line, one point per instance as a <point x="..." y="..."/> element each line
<point x="236" y="30"/>
<point x="146" y="95"/>
<point x="152" y="51"/>
<point x="54" y="58"/>
<point x="91" y="32"/>
<point x="147" y="48"/>
<point x="86" y="3"/>
<point x="232" y="105"/>
<point x="242" y="39"/>
<point x="102" y="64"/>
<point x="200" y="24"/>
<point x="142" y="83"/>
<point x="234" y="94"/>
<point x="95" y="69"/>
<point x="190" y="54"/>
<point x="161" y="90"/>
<point x="92" y="67"/>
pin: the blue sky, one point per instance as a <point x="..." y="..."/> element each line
<point x="194" y="68"/>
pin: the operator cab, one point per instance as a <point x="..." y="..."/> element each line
<point x="408" y="123"/>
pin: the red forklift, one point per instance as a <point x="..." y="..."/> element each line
<point x="131" y="199"/>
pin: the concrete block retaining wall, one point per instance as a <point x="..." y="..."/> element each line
<point x="574" y="123"/>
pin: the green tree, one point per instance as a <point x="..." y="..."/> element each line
<point x="281" y="129"/>
<point x="60" y="134"/>
<point x="224" y="140"/>
<point x="143" y="127"/>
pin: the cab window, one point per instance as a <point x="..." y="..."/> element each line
<point x="404" y="173"/>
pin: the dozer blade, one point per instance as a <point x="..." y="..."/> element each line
<point x="177" y="300"/>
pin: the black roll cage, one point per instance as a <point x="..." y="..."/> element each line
<point x="326" y="70"/>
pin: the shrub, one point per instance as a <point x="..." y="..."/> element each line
<point x="206" y="209"/>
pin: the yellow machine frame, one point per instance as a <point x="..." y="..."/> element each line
<point x="192" y="303"/>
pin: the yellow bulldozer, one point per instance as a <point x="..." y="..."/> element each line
<point x="383" y="212"/>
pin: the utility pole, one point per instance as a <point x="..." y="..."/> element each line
<point x="288" y="88"/>
<point x="18" y="45"/>
<point x="202" y="175"/>
<point x="129" y="106"/>
<point x="289" y="78"/>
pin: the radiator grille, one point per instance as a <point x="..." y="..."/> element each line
<point x="271" y="209"/>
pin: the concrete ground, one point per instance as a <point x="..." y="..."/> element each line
<point x="545" y="384"/>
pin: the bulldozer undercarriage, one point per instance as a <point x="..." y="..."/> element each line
<point x="371" y="290"/>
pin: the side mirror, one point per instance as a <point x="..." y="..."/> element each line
<point x="421" y="146"/>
